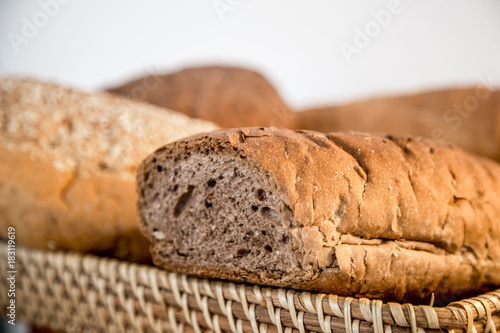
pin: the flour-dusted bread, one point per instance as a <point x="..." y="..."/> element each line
<point x="467" y="117"/>
<point x="68" y="161"/>
<point x="228" y="96"/>
<point x="389" y="217"/>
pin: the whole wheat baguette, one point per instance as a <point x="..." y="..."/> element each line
<point x="228" y="96"/>
<point x="67" y="165"/>
<point x="467" y="117"/>
<point x="389" y="217"/>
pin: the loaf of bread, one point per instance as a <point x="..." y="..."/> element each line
<point x="230" y="97"/>
<point x="390" y="217"/>
<point x="468" y="117"/>
<point x="68" y="162"/>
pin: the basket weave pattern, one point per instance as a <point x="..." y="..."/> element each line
<point x="69" y="292"/>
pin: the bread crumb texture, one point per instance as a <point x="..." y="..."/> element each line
<point x="391" y="217"/>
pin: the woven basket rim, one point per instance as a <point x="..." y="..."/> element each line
<point x="99" y="279"/>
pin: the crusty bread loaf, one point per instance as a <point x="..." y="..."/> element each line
<point x="230" y="97"/>
<point x="68" y="161"/>
<point x="468" y="117"/>
<point x="388" y="217"/>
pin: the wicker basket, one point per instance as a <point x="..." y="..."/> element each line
<point x="69" y="292"/>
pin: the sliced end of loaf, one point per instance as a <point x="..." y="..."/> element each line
<point x="212" y="211"/>
<point x="347" y="214"/>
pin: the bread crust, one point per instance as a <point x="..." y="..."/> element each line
<point x="467" y="117"/>
<point x="230" y="97"/>
<point x="391" y="217"/>
<point x="64" y="210"/>
<point x="67" y="166"/>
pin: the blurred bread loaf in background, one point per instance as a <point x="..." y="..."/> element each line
<point x="466" y="117"/>
<point x="238" y="97"/>
<point x="67" y="165"/>
<point x="230" y="97"/>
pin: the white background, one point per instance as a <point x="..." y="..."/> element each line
<point x="94" y="44"/>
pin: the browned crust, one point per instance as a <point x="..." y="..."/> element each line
<point x="402" y="217"/>
<point x="467" y="117"/>
<point x="230" y="97"/>
<point x="62" y="210"/>
<point x="68" y="160"/>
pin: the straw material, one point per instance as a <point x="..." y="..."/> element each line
<point x="69" y="292"/>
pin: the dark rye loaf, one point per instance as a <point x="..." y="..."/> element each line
<point x="389" y="217"/>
